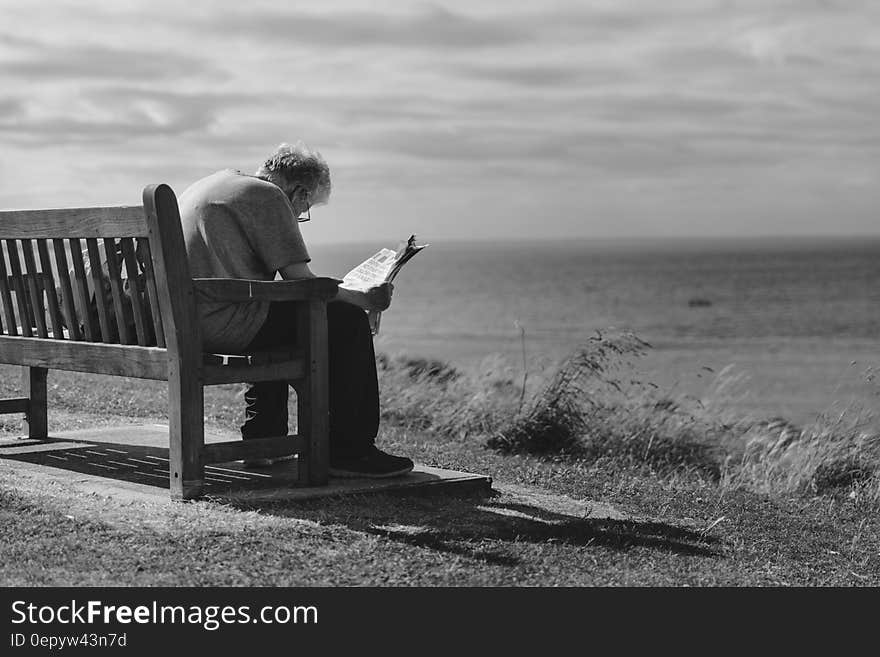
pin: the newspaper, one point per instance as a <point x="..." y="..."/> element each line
<point x="381" y="267"/>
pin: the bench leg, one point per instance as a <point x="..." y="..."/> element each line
<point x="313" y="465"/>
<point x="312" y="400"/>
<point x="34" y="386"/>
<point x="186" y="419"/>
<point x="303" y="423"/>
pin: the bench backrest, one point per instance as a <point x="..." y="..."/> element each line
<point x="139" y="250"/>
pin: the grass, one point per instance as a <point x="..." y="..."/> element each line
<point x="600" y="480"/>
<point x="590" y="408"/>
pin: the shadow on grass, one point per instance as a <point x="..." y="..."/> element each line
<point x="138" y="464"/>
<point x="489" y="528"/>
<point x="486" y="528"/>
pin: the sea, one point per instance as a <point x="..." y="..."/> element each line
<point x="770" y="327"/>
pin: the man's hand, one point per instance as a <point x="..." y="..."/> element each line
<point x="375" y="298"/>
<point x="379" y="297"/>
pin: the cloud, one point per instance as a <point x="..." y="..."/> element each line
<point x="111" y="114"/>
<point x="431" y="28"/>
<point x="714" y="58"/>
<point x="37" y="61"/>
<point x="483" y="97"/>
<point x="59" y="130"/>
<point x="571" y="153"/>
<point x="10" y="109"/>
<point x="663" y="105"/>
<point x="537" y="74"/>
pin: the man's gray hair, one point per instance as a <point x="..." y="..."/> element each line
<point x="299" y="165"/>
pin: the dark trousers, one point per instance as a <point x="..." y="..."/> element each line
<point x="353" y="383"/>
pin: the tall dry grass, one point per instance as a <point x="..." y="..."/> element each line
<point x="591" y="406"/>
<point x="835" y="453"/>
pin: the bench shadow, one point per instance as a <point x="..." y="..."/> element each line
<point x="148" y="465"/>
<point x="429" y="518"/>
<point x="137" y="464"/>
<point x="462" y="525"/>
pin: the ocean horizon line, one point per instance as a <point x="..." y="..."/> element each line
<point x="662" y="240"/>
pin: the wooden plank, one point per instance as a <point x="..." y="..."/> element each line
<point x="34" y="383"/>
<point x="219" y="374"/>
<point x="119" y="360"/>
<point x="96" y="267"/>
<point x="35" y="288"/>
<point x="113" y="272"/>
<point x="6" y="297"/>
<point x="18" y="287"/>
<point x="315" y="405"/>
<point x="281" y="355"/>
<point x="121" y="221"/>
<point x="303" y="422"/>
<point x="70" y="317"/>
<point x="237" y="289"/>
<point x="186" y="429"/>
<point x="28" y="279"/>
<point x="177" y="302"/>
<point x="131" y="268"/>
<point x="236" y="450"/>
<point x="51" y="296"/>
<point x="83" y="297"/>
<point x="16" y="405"/>
<point x="152" y="293"/>
<point x="319" y="438"/>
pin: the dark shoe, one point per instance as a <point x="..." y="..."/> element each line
<point x="375" y="464"/>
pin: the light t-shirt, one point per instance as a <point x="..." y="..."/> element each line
<point x="237" y="226"/>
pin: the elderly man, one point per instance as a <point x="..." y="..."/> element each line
<point x="247" y="226"/>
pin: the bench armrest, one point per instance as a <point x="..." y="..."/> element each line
<point x="238" y="290"/>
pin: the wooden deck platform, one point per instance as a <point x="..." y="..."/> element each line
<point x="133" y="459"/>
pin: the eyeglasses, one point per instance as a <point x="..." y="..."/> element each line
<point x="308" y="216"/>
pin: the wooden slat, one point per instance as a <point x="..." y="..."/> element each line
<point x="256" y="448"/>
<point x="186" y="415"/>
<point x="237" y="289"/>
<point x="131" y="268"/>
<point x="303" y="424"/>
<point x="115" y="359"/>
<point x="70" y="318"/>
<point x="83" y="297"/>
<point x="113" y="272"/>
<point x="28" y="279"/>
<point x="122" y="221"/>
<point x="35" y="289"/>
<point x="17" y="405"/>
<point x="315" y="406"/>
<point x="36" y="418"/>
<point x="51" y="296"/>
<point x="96" y="268"/>
<point x="6" y="297"/>
<point x="152" y="293"/>
<point x="217" y="374"/>
<point x="281" y="355"/>
<point x="18" y="286"/>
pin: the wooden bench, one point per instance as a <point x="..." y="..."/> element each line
<point x="40" y="331"/>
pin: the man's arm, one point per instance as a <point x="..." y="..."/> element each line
<point x="295" y="271"/>
<point x="376" y="298"/>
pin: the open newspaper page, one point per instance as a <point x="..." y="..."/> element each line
<point x="381" y="267"/>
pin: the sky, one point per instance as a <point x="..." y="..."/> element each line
<point x="493" y="119"/>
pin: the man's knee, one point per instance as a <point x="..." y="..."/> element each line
<point x="346" y="316"/>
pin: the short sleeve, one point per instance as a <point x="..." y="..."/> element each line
<point x="274" y="231"/>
